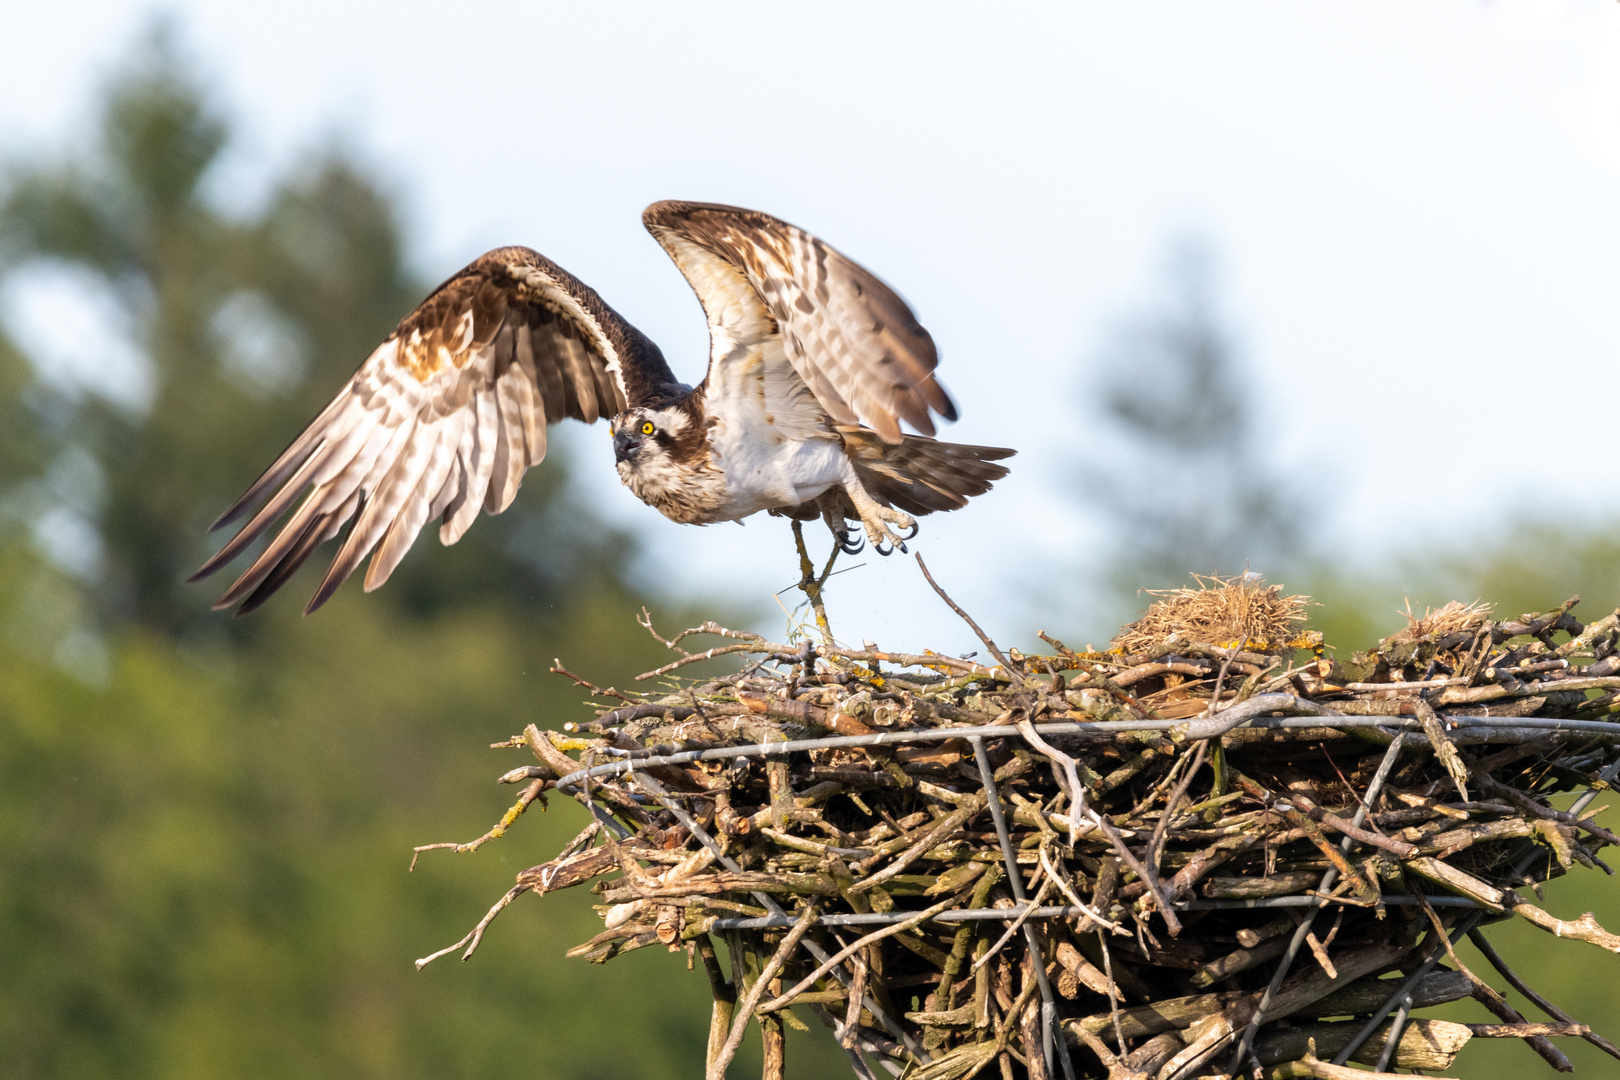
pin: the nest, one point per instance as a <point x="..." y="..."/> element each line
<point x="1240" y="612"/>
<point x="1206" y="852"/>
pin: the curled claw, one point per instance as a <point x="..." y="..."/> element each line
<point x="850" y="543"/>
<point x="912" y="535"/>
<point x="900" y="546"/>
<point x="881" y="550"/>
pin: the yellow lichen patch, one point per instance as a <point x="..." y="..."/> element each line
<point x="1222" y="611"/>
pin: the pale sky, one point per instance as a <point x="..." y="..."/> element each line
<point x="1414" y="206"/>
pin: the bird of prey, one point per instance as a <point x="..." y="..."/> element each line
<point x="813" y="364"/>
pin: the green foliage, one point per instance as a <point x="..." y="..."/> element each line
<point x="207" y="861"/>
<point x="205" y="825"/>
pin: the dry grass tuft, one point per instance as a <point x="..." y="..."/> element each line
<point x="1454" y="617"/>
<point x="1220" y="611"/>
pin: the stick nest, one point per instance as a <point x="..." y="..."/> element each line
<point x="1178" y="858"/>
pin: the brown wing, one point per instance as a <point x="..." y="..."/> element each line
<point x="442" y="419"/>
<point x="856" y="345"/>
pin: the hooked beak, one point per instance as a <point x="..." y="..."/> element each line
<point x="625" y="443"/>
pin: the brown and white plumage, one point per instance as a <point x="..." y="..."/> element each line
<point x="814" y="363"/>
<point x="854" y="343"/>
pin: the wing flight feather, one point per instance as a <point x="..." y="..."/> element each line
<point x="441" y="421"/>
<point x="853" y="341"/>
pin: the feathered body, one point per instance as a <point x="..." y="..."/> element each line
<point x="813" y="364"/>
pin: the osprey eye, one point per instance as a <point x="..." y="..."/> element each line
<point x="647" y="427"/>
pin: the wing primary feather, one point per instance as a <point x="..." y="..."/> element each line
<point x="548" y="380"/>
<point x="412" y="514"/>
<point x="531" y="411"/>
<point x="504" y="484"/>
<point x="288" y="461"/>
<point x="343" y="564"/>
<point x="456" y="498"/>
<point x="479" y="463"/>
<point x="285" y="541"/>
<point x="320" y="531"/>
<point x="387" y="498"/>
<point x="580" y="379"/>
<point x="454" y="478"/>
<point x="261" y="521"/>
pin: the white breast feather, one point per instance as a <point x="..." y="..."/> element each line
<point x="771" y="436"/>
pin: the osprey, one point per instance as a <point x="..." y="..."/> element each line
<point x="813" y="364"/>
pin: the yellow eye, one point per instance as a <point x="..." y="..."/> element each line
<point x="647" y="427"/>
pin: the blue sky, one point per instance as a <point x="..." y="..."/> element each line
<point x="1414" y="207"/>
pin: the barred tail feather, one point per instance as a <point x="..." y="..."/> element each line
<point x="921" y="475"/>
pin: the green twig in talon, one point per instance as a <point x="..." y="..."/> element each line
<point x="811" y="584"/>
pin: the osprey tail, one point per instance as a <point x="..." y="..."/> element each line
<point x="921" y="475"/>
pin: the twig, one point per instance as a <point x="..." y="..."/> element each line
<point x="697" y="831"/>
<point x="745" y="1008"/>
<point x="596" y="691"/>
<point x="1329" y="876"/>
<point x="941" y="829"/>
<point x="1113" y="998"/>
<point x="1444" y="748"/>
<point x="534" y="791"/>
<point x="1077" y="793"/>
<point x="1086" y="909"/>
<point x="1489" y="952"/>
<point x="785" y="999"/>
<point x="1528" y="1031"/>
<point x="812" y="585"/>
<point x="1220" y="680"/>
<point x="1153" y="850"/>
<point x="697" y="658"/>
<point x="1016" y="925"/>
<point x="1487" y="996"/>
<point x="477" y="933"/>
<point x="1012" y="673"/>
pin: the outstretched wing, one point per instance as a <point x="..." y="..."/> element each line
<point x="442" y="419"/>
<point x="856" y="345"/>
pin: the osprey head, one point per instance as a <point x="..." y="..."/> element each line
<point x="644" y="439"/>
<point x="664" y="458"/>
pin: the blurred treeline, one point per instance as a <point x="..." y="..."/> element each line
<point x="205" y="823"/>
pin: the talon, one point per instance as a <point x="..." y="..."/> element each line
<point x="900" y="545"/>
<point x="850" y="543"/>
<point x="881" y="550"/>
<point x="910" y="535"/>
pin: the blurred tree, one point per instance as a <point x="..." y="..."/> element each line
<point x="246" y="327"/>
<point x="205" y="826"/>
<point x="1185" y="482"/>
<point x="24" y="438"/>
